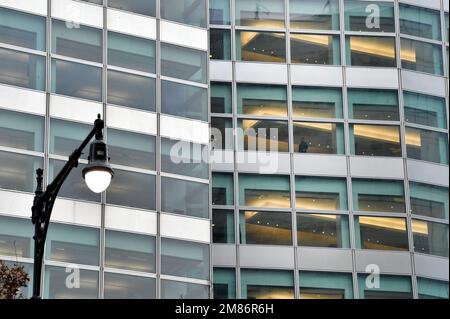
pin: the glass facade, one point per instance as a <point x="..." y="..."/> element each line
<point x="294" y="139"/>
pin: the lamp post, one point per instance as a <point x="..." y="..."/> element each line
<point x="97" y="175"/>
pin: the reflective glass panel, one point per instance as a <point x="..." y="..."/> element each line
<point x="191" y="12"/>
<point x="315" y="49"/>
<point x="223" y="226"/>
<point x="260" y="46"/>
<point x="118" y="286"/>
<point x="427" y="145"/>
<point x="375" y="140"/>
<point x="224" y="283"/>
<point x="220" y="44"/>
<point x="145" y="7"/>
<point x="314" y="14"/>
<point x="55" y="286"/>
<point x="429" y="200"/>
<point x="378" y="195"/>
<point x="420" y="22"/>
<point x="219" y="11"/>
<point x="369" y="16"/>
<point x="390" y="287"/>
<point x="16" y="170"/>
<point x="183" y="290"/>
<point x="270" y="191"/>
<point x="261" y="100"/>
<point x="310" y="102"/>
<point x="222" y="189"/>
<point x="16" y="237"/>
<point x="220" y="97"/>
<point x="260" y="13"/>
<point x="325" y="285"/>
<point x="265" y="228"/>
<point x="320" y="193"/>
<point x="263" y="135"/>
<point x="318" y="138"/>
<point x="183" y="63"/>
<point x="323" y="230"/>
<point x="65" y="137"/>
<point x="432" y="289"/>
<point x="425" y="110"/>
<point x="371" y="51"/>
<point x="378" y="105"/>
<point x="421" y="56"/>
<point x="430" y="238"/>
<point x="267" y="284"/>
<point x="221" y="134"/>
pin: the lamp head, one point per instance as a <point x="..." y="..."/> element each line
<point x="98" y="173"/>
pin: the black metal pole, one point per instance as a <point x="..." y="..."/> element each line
<point x="44" y="201"/>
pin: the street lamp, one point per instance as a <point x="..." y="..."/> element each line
<point x="97" y="175"/>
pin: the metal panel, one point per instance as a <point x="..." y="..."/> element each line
<point x="220" y="71"/>
<point x="78" y="12"/>
<point x="316" y="75"/>
<point x="372" y="78"/>
<point x="424" y="83"/>
<point x="263" y="73"/>
<point x="390" y="262"/>
<point x="192" y="37"/>
<point x="431" y="267"/>
<point x="185" y="228"/>
<point x="324" y="259"/>
<point x="22" y="100"/>
<point x="184" y="129"/>
<point x="74" y="212"/>
<point x="266" y="256"/>
<point x="263" y="162"/>
<point x="16" y="204"/>
<point x="428" y="173"/>
<point x="377" y="167"/>
<point x="131" y="120"/>
<point x="131" y="220"/>
<point x="74" y="109"/>
<point x="224" y="255"/>
<point x="320" y="165"/>
<point x="132" y="24"/>
<point x="35" y="6"/>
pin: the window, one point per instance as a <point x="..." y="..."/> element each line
<point x="184" y="197"/>
<point x="267" y="284"/>
<point x="16" y="237"/>
<point x="221" y="134"/>
<point x="310" y="102"/>
<point x="220" y="44"/>
<point x="319" y="138"/>
<point x="269" y="191"/>
<point x="381" y="233"/>
<point x="81" y="42"/>
<point x="131" y="90"/>
<point x="145" y="7"/>
<point x="265" y="228"/>
<point x="130" y="251"/>
<point x="315" y="49"/>
<point x="67" y="136"/>
<point x="263" y="135"/>
<point x="73" y="244"/>
<point x="427" y="145"/>
<point x="260" y="46"/>
<point x="378" y="196"/>
<point x="391" y="287"/>
<point x="319" y="193"/>
<point x="22" y="69"/>
<point x="132" y="189"/>
<point x="420" y="22"/>
<point x="219" y="11"/>
<point x="220" y="97"/>
<point x="130" y="52"/>
<point x="430" y="238"/>
<point x="183" y="63"/>
<point x="425" y="110"/>
<point x="323" y="230"/>
<point x="359" y="16"/>
<point x="184" y="158"/>
<point x="378" y="105"/>
<point x="325" y="285"/>
<point x="16" y="170"/>
<point x="183" y="290"/>
<point x="262" y="100"/>
<point x="429" y="200"/>
<point x="56" y="287"/>
<point x="224" y="283"/>
<point x="118" y="286"/>
<point x="375" y="140"/>
<point x="131" y="149"/>
<point x="222" y="189"/>
<point x="22" y="29"/>
<point x="184" y="259"/>
<point x="21" y="130"/>
<point x="371" y="51"/>
<point x="76" y="80"/>
<point x="421" y="56"/>
<point x="184" y="100"/>
<point x="223" y="226"/>
<point x="432" y="289"/>
<point x="260" y="13"/>
<point x="74" y="187"/>
<point x="191" y="12"/>
<point x="314" y="14"/>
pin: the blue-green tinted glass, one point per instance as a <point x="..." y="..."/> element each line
<point x="318" y="138"/>
<point x="262" y="100"/>
<point x="22" y="69"/>
<point x="323" y="230"/>
<point x="55" y="284"/>
<point x="420" y="22"/>
<point x="390" y="287"/>
<point x="430" y="238"/>
<point x="380" y="105"/>
<point x="222" y="189"/>
<point x="220" y="44"/>
<point x="223" y="226"/>
<point x="145" y="7"/>
<point x="425" y="110"/>
<point x="76" y="80"/>
<point x="267" y="284"/>
<point x="369" y="16"/>
<point x="16" y="237"/>
<point x="131" y="52"/>
<point x="183" y="290"/>
<point x="67" y="136"/>
<point x="315" y="49"/>
<point x="260" y="46"/>
<point x="191" y="12"/>
<point x="316" y="102"/>
<point x="224" y="284"/>
<point x="183" y="63"/>
<point x="219" y="11"/>
<point x="263" y="135"/>
<point x="427" y="145"/>
<point x="378" y="196"/>
<point x="375" y="140"/>
<point x="260" y="13"/>
<point x="16" y="170"/>
<point x="264" y="191"/>
<point x="221" y="97"/>
<point x="21" y="130"/>
<point x="22" y="29"/>
<point x="314" y="14"/>
<point x="265" y="228"/>
<point x="421" y="56"/>
<point x="432" y="289"/>
<point x="120" y="286"/>
<point x="325" y="285"/>
<point x="429" y="200"/>
<point x="320" y="193"/>
<point x="371" y="51"/>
